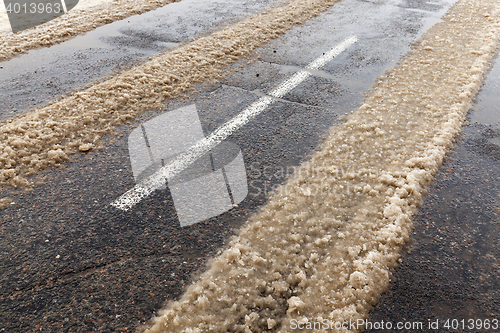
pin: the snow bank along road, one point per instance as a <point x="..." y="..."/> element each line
<point x="323" y="245"/>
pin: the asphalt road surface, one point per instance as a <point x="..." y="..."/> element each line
<point x="72" y="262"/>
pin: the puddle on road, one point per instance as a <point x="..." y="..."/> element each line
<point x="487" y="108"/>
<point x="431" y="16"/>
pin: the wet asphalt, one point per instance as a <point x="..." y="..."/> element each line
<point x="73" y="263"/>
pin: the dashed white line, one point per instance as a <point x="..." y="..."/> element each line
<point x="144" y="188"/>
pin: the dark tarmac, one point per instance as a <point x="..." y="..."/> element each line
<point x="72" y="263"/>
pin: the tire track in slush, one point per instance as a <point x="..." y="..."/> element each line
<point x="325" y="243"/>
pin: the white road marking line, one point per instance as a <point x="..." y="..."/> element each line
<point x="142" y="190"/>
<point x="64" y="7"/>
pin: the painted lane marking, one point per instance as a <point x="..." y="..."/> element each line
<point x="147" y="186"/>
